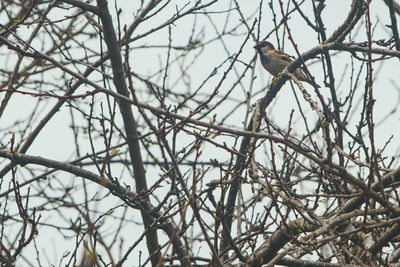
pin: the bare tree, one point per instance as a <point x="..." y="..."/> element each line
<point x="148" y="133"/>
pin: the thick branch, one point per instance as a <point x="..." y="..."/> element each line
<point x="130" y="125"/>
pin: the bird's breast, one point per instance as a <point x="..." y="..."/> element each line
<point x="265" y="59"/>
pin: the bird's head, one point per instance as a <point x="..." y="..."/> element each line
<point x="264" y="46"/>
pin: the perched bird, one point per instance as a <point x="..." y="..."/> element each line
<point x="274" y="61"/>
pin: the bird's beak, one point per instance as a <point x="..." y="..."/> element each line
<point x="256" y="46"/>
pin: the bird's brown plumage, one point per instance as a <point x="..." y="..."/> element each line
<point x="274" y="61"/>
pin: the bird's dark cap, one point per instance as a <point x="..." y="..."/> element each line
<point x="262" y="44"/>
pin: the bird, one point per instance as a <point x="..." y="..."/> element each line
<point x="274" y="61"/>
